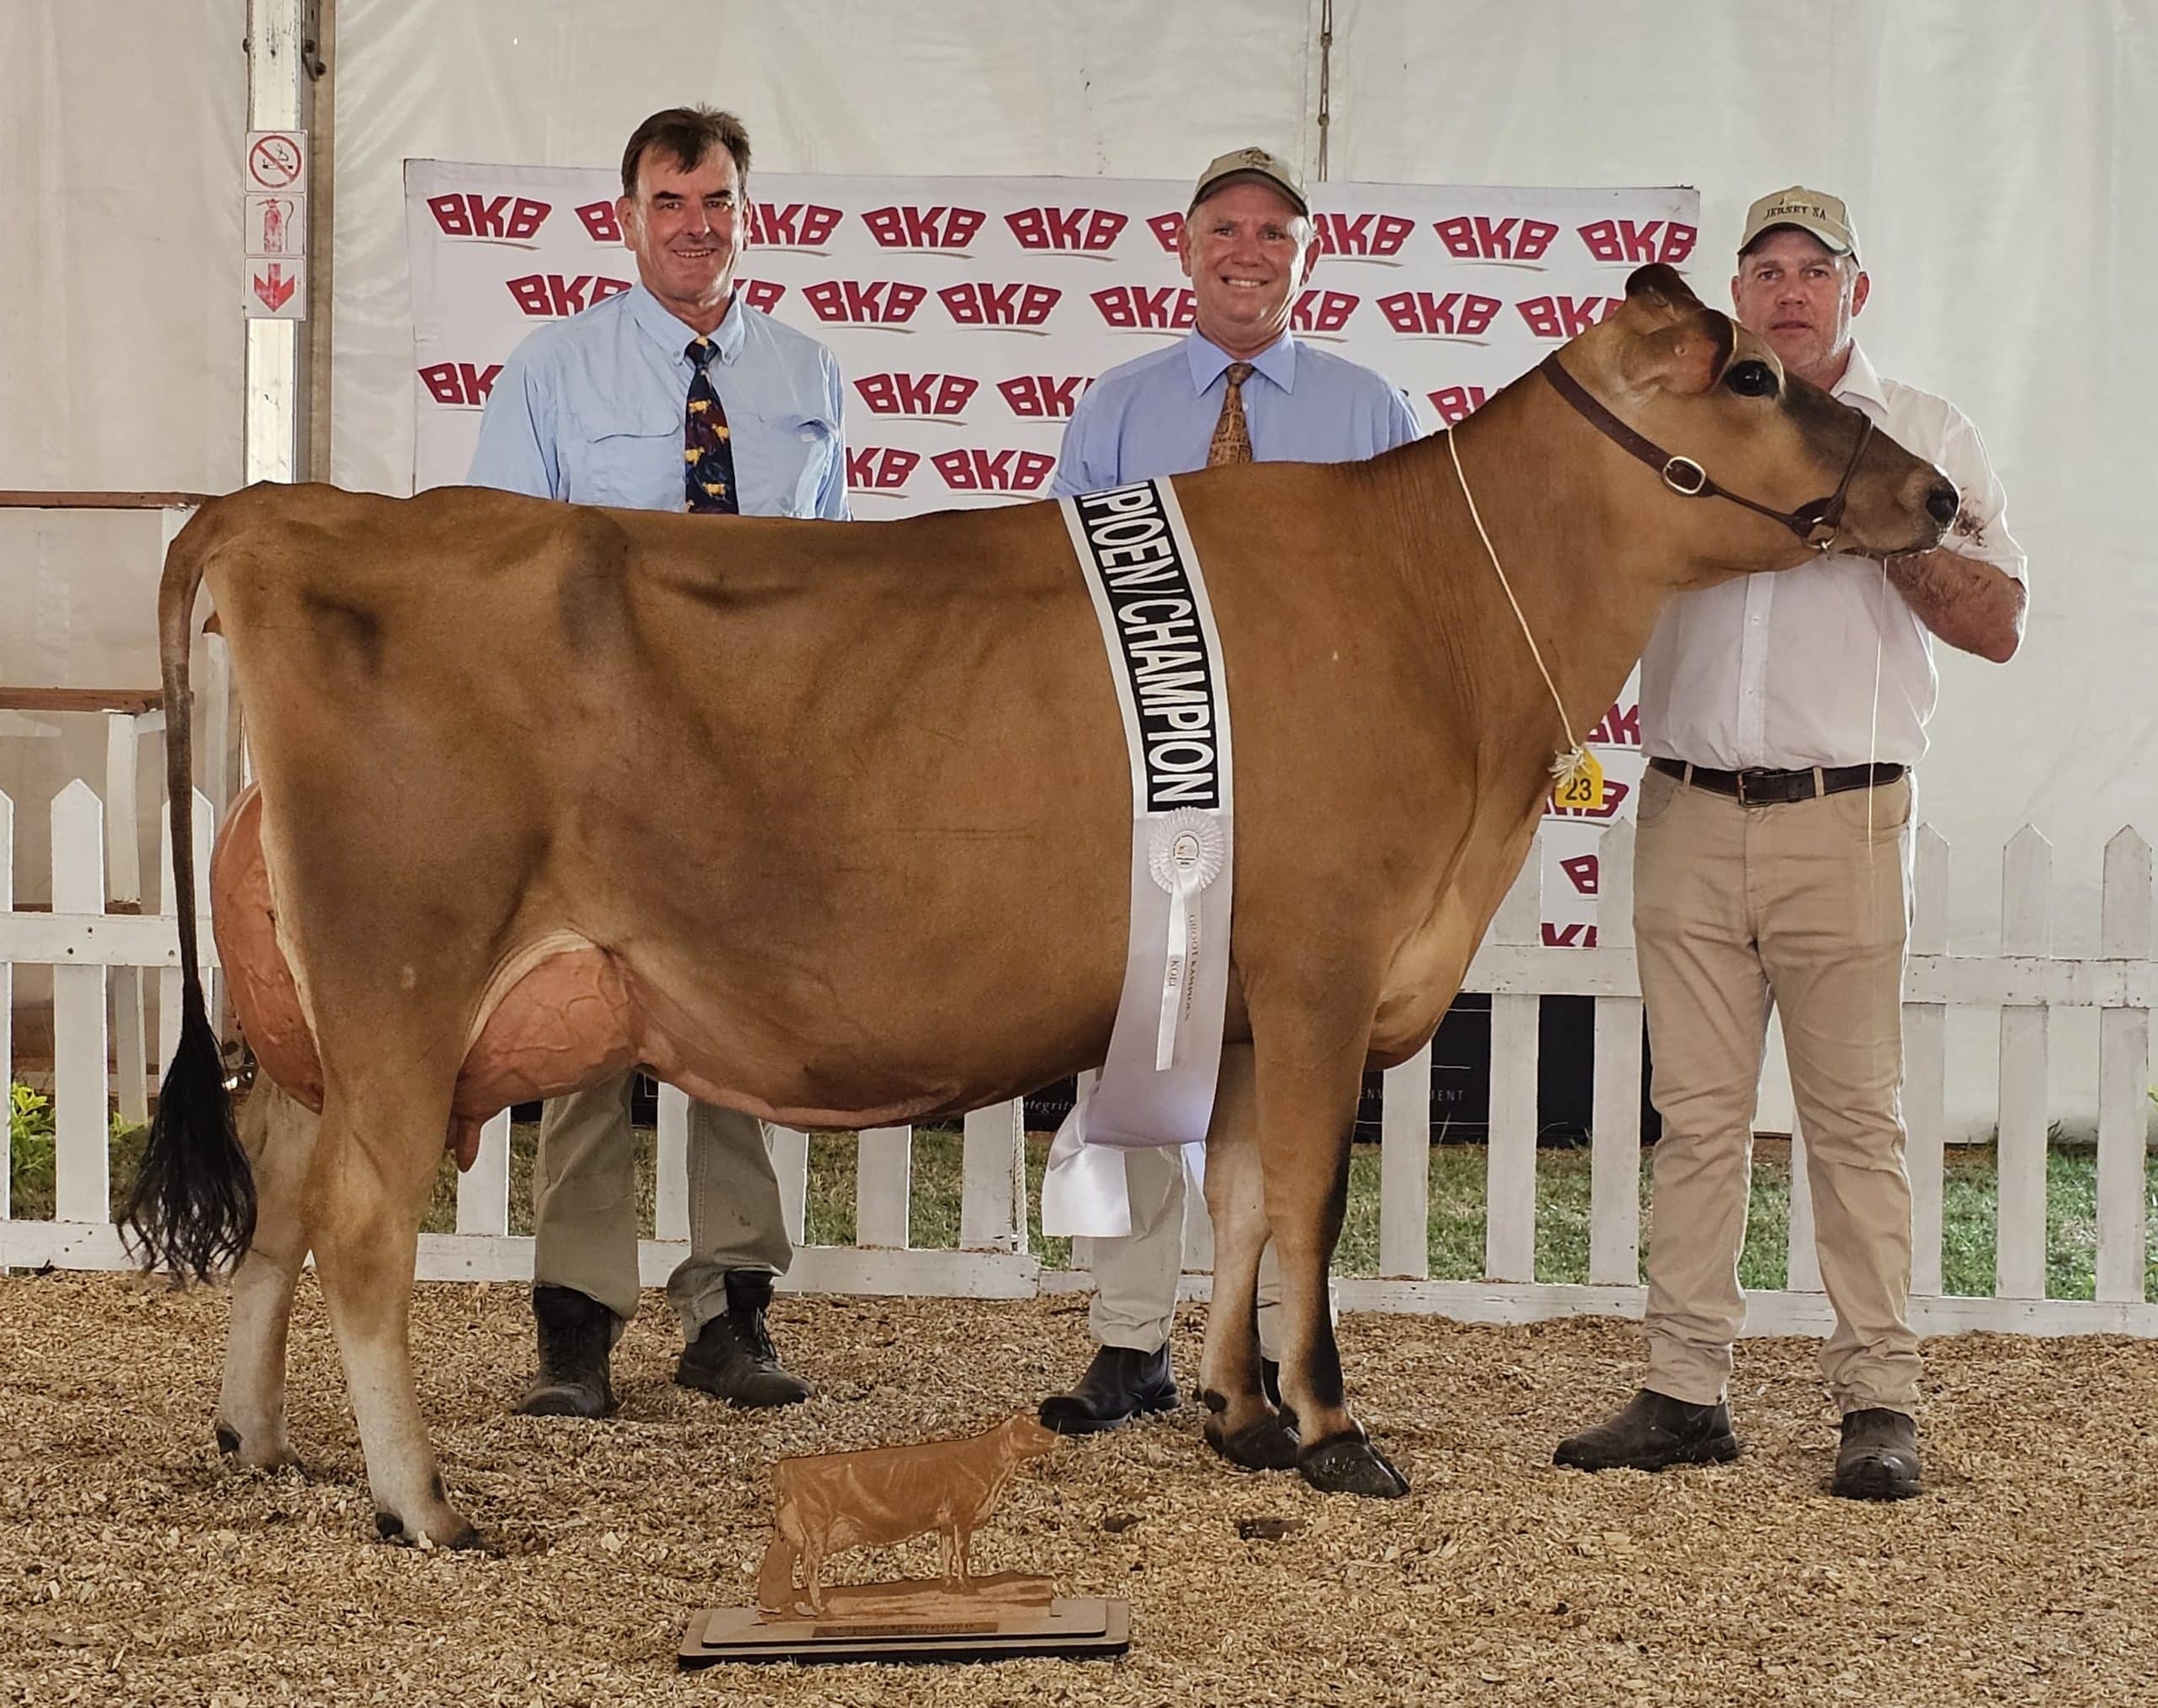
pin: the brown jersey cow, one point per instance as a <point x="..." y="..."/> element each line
<point x="879" y="1496"/>
<point x="831" y="822"/>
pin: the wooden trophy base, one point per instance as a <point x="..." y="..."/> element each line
<point x="999" y="1618"/>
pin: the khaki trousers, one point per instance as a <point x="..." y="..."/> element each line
<point x="1802" y="904"/>
<point x="584" y="1204"/>
<point x="1135" y="1275"/>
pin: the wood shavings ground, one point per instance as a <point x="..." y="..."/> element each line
<point x="137" y="1567"/>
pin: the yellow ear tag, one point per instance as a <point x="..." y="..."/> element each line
<point x="1579" y="786"/>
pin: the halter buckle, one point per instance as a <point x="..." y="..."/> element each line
<point x="1676" y="474"/>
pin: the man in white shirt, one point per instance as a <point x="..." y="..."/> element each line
<point x="1782" y="715"/>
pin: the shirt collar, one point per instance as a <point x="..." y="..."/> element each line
<point x="1210" y="361"/>
<point x="1860" y="382"/>
<point x="655" y="320"/>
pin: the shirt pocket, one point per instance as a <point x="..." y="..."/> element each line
<point x="796" y="451"/>
<point x="629" y="457"/>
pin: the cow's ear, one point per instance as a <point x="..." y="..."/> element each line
<point x="1686" y="358"/>
<point x="1659" y="287"/>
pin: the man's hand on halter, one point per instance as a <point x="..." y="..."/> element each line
<point x="1972" y="605"/>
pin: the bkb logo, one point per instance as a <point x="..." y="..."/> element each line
<point x="1473" y="237"/>
<point x="923" y="228"/>
<point x="1044" y="396"/>
<point x="1322" y="311"/>
<point x="1362" y="236"/>
<point x="1569" y="937"/>
<point x="994" y="471"/>
<point x="554" y="295"/>
<point x="1582" y="871"/>
<point x="1638" y="242"/>
<point x="1166" y="227"/>
<point x="853" y="302"/>
<point x="1565" y="316"/>
<point x="1141" y="309"/>
<point x="999" y="305"/>
<point x="598" y="218"/>
<point x="459" y="384"/>
<point x="879" y="468"/>
<point x="792" y="224"/>
<point x="1069" y="230"/>
<point x="932" y="396"/>
<point x="1620" y="727"/>
<point x="494" y="218"/>
<point x="761" y="294"/>
<point x="1457" y="315"/>
<point x="1456" y="403"/>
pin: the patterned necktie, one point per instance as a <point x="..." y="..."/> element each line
<point x="1232" y="433"/>
<point x="707" y="457"/>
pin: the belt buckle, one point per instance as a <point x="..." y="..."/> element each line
<point x="1739" y="778"/>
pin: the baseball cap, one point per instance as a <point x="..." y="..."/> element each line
<point x="1252" y="162"/>
<point x="1810" y="211"/>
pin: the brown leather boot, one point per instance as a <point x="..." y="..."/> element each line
<point x="732" y="1356"/>
<point x="1879" y="1457"/>
<point x="1654" y="1431"/>
<point x="576" y="1334"/>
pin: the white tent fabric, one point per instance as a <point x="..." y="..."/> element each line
<point x="1998" y="157"/>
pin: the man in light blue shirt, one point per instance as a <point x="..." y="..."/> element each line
<point x="673" y="396"/>
<point x="1238" y="390"/>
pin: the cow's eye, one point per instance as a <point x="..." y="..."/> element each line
<point x="1751" y="380"/>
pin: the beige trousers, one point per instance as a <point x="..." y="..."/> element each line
<point x="1801" y="904"/>
<point x="584" y="1204"/>
<point x="1135" y="1275"/>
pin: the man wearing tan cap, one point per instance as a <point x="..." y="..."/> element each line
<point x="1240" y="388"/>
<point x="1782" y="715"/>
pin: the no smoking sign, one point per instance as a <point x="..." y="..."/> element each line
<point x="277" y="160"/>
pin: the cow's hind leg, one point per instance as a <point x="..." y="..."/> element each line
<point x="278" y="1135"/>
<point x="1242" y="1424"/>
<point x="1309" y="1070"/>
<point x="380" y="1142"/>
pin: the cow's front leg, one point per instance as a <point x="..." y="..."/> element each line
<point x="374" y="1160"/>
<point x="1243" y="1425"/>
<point x="1310" y="1066"/>
<point x="278" y="1135"/>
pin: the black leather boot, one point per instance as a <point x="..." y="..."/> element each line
<point x="1879" y="1457"/>
<point x="1654" y="1431"/>
<point x="732" y="1356"/>
<point x="577" y="1332"/>
<point x="1120" y="1384"/>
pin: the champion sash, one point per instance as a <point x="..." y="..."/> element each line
<point x="1157" y="1086"/>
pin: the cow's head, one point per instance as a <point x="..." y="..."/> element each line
<point x="1694" y="386"/>
<point x="1025" y="1438"/>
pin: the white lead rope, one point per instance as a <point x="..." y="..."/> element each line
<point x="1564" y="765"/>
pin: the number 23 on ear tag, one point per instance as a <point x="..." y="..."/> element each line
<point x="1580" y="789"/>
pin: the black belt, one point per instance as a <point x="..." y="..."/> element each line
<point x="1759" y="787"/>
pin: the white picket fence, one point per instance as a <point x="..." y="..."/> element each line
<point x="102" y="959"/>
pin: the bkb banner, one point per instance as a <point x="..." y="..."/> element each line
<point x="968" y="314"/>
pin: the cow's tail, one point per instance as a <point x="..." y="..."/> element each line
<point x="192" y="1208"/>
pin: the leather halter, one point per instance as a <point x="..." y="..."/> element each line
<point x="1816" y="523"/>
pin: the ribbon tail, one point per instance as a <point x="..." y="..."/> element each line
<point x="1176" y="970"/>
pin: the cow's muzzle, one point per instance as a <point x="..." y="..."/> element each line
<point x="1817" y="522"/>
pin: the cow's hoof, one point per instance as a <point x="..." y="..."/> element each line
<point x="1268" y="1445"/>
<point x="277" y="1456"/>
<point x="1349" y="1464"/>
<point x="459" y="1534"/>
